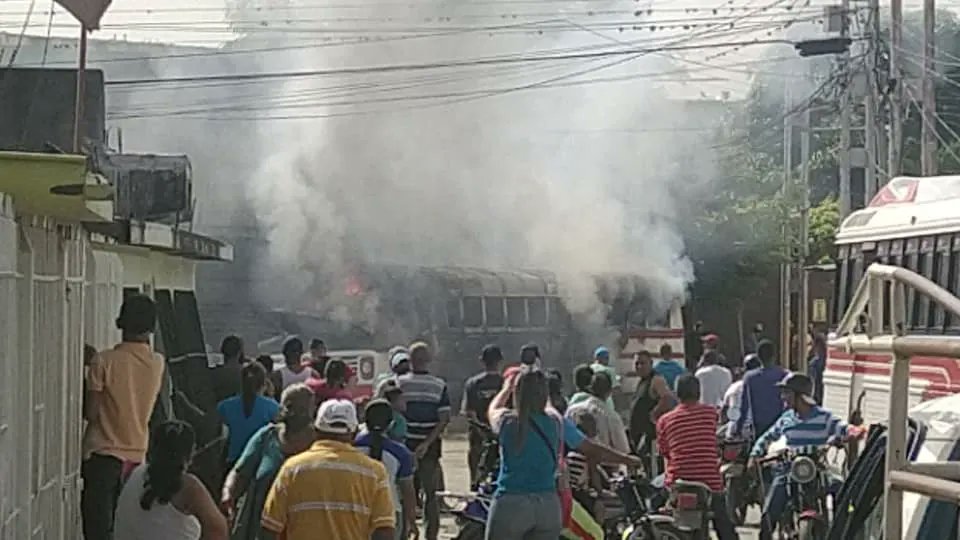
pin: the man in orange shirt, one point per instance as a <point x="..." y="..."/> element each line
<point x="122" y="388"/>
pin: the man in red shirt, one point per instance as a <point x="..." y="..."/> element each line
<point x="687" y="438"/>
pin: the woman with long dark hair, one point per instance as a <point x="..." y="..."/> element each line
<point x="396" y="458"/>
<point x="247" y="484"/>
<point x="248" y="412"/>
<point x="161" y="500"/>
<point x="533" y="437"/>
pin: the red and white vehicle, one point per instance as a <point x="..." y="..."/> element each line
<point x="650" y="337"/>
<point x="366" y="364"/>
<point x="913" y="223"/>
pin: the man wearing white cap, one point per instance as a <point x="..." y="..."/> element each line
<point x="332" y="490"/>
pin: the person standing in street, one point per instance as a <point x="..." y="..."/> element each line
<point x="610" y="429"/>
<point x="711" y="342"/>
<point x="760" y="400"/>
<point x="714" y="379"/>
<point x="334" y="385"/>
<point x="161" y="500"/>
<point x="687" y="439"/>
<point x="294" y="370"/>
<point x="582" y="377"/>
<point x="333" y="490"/>
<point x="396" y="458"/>
<point x="477" y="393"/>
<point x="651" y="400"/>
<point x="245" y="414"/>
<point x="668" y="368"/>
<point x="399" y="358"/>
<point x="318" y="355"/>
<point x="601" y="363"/>
<point x="122" y="388"/>
<point x="427" y="414"/>
<point x="226" y="377"/>
<point x="250" y="479"/>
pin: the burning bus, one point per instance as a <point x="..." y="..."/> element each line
<point x="457" y="310"/>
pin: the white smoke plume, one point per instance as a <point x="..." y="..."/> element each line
<point x="574" y="179"/>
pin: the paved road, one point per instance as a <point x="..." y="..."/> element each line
<point x="457" y="477"/>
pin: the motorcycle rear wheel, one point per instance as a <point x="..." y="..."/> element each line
<point x="471" y="530"/>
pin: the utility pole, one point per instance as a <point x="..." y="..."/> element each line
<point x="928" y="137"/>
<point x="896" y="95"/>
<point x="873" y="131"/>
<point x="806" y="134"/>
<point x="845" y="105"/>
<point x="786" y="269"/>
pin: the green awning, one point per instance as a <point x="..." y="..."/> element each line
<point x="56" y="185"/>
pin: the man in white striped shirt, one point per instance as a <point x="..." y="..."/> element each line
<point x="427" y="414"/>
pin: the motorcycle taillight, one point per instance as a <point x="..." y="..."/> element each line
<point x="687" y="501"/>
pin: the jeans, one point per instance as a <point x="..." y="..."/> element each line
<point x="473" y="456"/>
<point x="773" y="506"/>
<point x="98" y="501"/>
<point x="721" y="520"/>
<point x="427" y="478"/>
<point x="529" y="516"/>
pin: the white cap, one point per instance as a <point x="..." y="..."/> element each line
<point x="337" y="416"/>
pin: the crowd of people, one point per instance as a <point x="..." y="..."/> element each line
<point x="298" y="459"/>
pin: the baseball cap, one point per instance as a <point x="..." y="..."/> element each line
<point x="601" y="352"/>
<point x="710" y="338"/>
<point x="399" y="358"/>
<point x="799" y="384"/>
<point x="337" y="416"/>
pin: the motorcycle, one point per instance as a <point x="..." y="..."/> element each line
<point x="471" y="509"/>
<point x="809" y="482"/>
<point x="741" y="485"/>
<point x="686" y="518"/>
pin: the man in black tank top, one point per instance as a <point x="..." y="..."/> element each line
<point x="652" y="399"/>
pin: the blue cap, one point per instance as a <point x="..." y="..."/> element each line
<point x="601" y="352"/>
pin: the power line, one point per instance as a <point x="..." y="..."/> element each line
<point x="434" y="8"/>
<point x="23" y="31"/>
<point x="432" y="65"/>
<point x="295" y="100"/>
<point x="943" y="143"/>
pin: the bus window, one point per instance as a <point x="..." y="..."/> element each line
<point x="472" y="311"/>
<point x="941" y="275"/>
<point x="925" y="268"/>
<point x="557" y="316"/>
<point x="537" y="311"/>
<point x="883" y="252"/>
<point x="516" y="312"/>
<point x="494" y="308"/>
<point x="953" y="283"/>
<point x="911" y="260"/>
<point x="454" y="317"/>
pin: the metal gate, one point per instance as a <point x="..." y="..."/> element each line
<point x="42" y="272"/>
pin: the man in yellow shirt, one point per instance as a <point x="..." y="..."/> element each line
<point x="122" y="386"/>
<point x="332" y="490"/>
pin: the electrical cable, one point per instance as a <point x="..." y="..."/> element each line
<point x="936" y="133"/>
<point x="23" y="31"/>
<point x="386" y="68"/>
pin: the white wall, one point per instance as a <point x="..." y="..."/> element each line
<point x="42" y="275"/>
